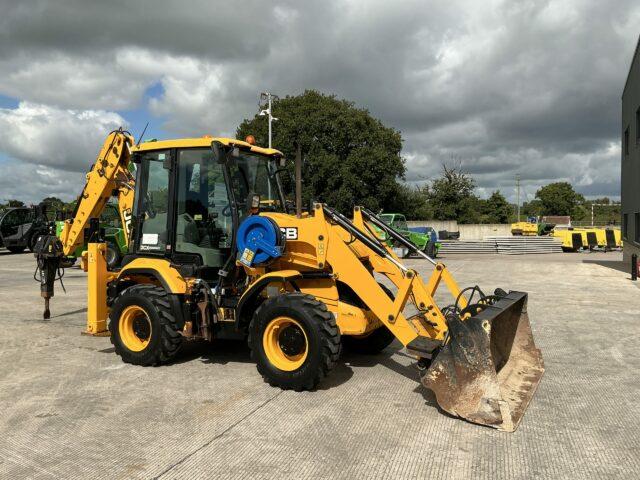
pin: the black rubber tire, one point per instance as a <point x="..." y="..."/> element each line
<point x="165" y="340"/>
<point x="112" y="256"/>
<point x="373" y="343"/>
<point x="430" y="249"/>
<point x="16" y="249"/>
<point x="323" y="340"/>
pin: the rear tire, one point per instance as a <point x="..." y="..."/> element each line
<point x="144" y="330"/>
<point x="16" y="249"/>
<point x="112" y="256"/>
<point x="430" y="250"/>
<point x="294" y="341"/>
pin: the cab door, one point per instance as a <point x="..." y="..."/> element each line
<point x="152" y="206"/>
<point x="203" y="216"/>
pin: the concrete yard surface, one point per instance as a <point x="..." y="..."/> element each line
<point x="71" y="409"/>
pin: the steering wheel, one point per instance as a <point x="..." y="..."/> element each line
<point x="188" y="218"/>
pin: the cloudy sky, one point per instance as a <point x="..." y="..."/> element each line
<point x="504" y="87"/>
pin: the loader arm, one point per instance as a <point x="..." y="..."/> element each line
<point x="108" y="176"/>
<point x="476" y="353"/>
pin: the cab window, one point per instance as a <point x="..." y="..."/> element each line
<point x="400" y="223"/>
<point x="203" y="214"/>
<point x="253" y="174"/>
<point x="152" y="191"/>
<point x="14" y="219"/>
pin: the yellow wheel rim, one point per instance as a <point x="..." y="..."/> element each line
<point x="135" y="328"/>
<point x="285" y="343"/>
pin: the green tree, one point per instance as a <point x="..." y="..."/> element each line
<point x="533" y="208"/>
<point x="349" y="156"/>
<point x="53" y="203"/>
<point x="560" y="198"/>
<point x="451" y="196"/>
<point x="15" y="203"/>
<point x="411" y="201"/>
<point x="495" y="209"/>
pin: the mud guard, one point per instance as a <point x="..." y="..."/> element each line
<point x="489" y="370"/>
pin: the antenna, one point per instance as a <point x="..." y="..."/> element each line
<point x="142" y="134"/>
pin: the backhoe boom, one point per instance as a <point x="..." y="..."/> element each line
<point x="108" y="176"/>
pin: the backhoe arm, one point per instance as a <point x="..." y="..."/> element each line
<point x="109" y="175"/>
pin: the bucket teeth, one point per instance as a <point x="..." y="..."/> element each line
<point x="489" y="370"/>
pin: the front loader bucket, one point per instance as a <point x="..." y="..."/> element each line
<point x="489" y="370"/>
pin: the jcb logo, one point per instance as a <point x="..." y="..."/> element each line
<point x="126" y="216"/>
<point x="290" y="233"/>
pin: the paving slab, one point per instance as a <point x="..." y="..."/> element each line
<point x="71" y="409"/>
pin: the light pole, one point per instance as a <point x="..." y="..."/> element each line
<point x="267" y="111"/>
<point x="518" y="195"/>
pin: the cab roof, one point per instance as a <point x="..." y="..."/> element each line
<point x="204" y="141"/>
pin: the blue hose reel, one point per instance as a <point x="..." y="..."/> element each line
<point x="259" y="241"/>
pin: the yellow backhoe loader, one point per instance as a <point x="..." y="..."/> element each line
<point x="217" y="252"/>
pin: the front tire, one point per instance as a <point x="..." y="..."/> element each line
<point x="294" y="341"/>
<point x="144" y="330"/>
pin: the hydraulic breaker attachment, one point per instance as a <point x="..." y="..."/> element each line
<point x="489" y="367"/>
<point x="48" y="253"/>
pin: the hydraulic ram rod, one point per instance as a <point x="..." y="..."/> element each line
<point x="348" y="225"/>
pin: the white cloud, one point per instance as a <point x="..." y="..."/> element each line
<point x="31" y="183"/>
<point x="506" y="87"/>
<point x="50" y="136"/>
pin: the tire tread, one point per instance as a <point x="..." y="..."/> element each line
<point x="171" y="339"/>
<point x="330" y="338"/>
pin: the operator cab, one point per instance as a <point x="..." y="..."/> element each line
<point x="190" y="198"/>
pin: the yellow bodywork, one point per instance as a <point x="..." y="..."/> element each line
<point x="330" y="259"/>
<point x="321" y="245"/>
<point x="524" y="228"/>
<point x="566" y="236"/>
<point x="204" y="141"/>
<point x="97" y="311"/>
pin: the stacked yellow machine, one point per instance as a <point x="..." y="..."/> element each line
<point x="578" y="238"/>
<point x="573" y="238"/>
